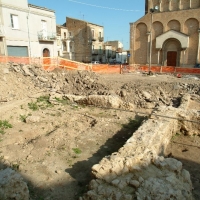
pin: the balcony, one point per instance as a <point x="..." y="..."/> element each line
<point x="101" y="39"/>
<point x="94" y="52"/>
<point x="93" y="39"/>
<point x="100" y="52"/>
<point x="71" y="38"/>
<point x="46" y="36"/>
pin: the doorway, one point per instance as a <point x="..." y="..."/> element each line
<point x="171" y="58"/>
<point x="171" y="52"/>
<point x="46" y="53"/>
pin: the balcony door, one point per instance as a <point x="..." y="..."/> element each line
<point x="44" y="29"/>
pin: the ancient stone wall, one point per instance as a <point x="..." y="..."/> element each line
<point x="137" y="171"/>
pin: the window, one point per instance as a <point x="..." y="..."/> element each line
<point x="65" y="35"/>
<point x="44" y="29"/>
<point x="14" y="21"/>
<point x="100" y="34"/>
<point x="64" y="46"/>
<point x="93" y="33"/>
<point x="99" y="49"/>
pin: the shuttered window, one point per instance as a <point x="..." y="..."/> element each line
<point x="17" y="51"/>
<point x="14" y="21"/>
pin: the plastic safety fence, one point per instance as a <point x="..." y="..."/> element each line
<point x="187" y="70"/>
<point x="129" y="69"/>
<point x="167" y="69"/>
<point x="72" y="65"/>
<point x="35" y="60"/>
<point x="106" y="69"/>
<point x="49" y="64"/>
<point x="20" y="60"/>
<point x="3" y="59"/>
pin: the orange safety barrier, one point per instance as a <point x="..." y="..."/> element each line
<point x="143" y="68"/>
<point x="113" y="69"/>
<point x="127" y="69"/>
<point x="167" y="69"/>
<point x="187" y="70"/>
<point x="50" y="63"/>
<point x="72" y="65"/>
<point x="3" y="59"/>
<point x="20" y="60"/>
<point x="100" y="68"/>
<point x="105" y="68"/>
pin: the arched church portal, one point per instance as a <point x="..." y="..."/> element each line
<point x="171" y="52"/>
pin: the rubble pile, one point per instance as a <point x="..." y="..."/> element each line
<point x="83" y="84"/>
<point x="161" y="179"/>
<point x="148" y="96"/>
<point x="137" y="171"/>
<point x="12" y="185"/>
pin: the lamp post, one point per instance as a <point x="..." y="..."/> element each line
<point x="152" y="10"/>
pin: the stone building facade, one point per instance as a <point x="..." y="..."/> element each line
<point x="169" y="36"/>
<point x="88" y="40"/>
<point x="65" y="42"/>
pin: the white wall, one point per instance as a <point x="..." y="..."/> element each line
<point x="29" y="19"/>
<point x="16" y="3"/>
<point x="35" y="17"/>
<point x="121" y="57"/>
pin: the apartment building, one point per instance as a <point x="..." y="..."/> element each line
<point x="168" y="34"/>
<point x="88" y="40"/>
<point x="121" y="56"/>
<point x="65" y="42"/>
<point x="109" y="52"/>
<point x="115" y="53"/>
<point x="26" y="29"/>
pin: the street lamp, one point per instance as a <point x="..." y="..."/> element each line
<point x="152" y="10"/>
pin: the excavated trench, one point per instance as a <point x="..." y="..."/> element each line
<point x="139" y="170"/>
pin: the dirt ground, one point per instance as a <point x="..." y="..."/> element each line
<point x="55" y="149"/>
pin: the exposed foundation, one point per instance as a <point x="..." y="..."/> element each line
<point x="139" y="170"/>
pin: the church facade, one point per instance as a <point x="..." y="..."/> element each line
<point x="167" y="35"/>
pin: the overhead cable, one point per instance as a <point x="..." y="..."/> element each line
<point x="119" y="9"/>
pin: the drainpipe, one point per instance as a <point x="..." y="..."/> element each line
<point x="29" y="32"/>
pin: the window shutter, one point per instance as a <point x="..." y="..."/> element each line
<point x="15" y="21"/>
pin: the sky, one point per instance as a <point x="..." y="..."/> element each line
<point x="114" y="15"/>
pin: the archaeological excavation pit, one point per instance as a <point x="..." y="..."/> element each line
<point x="55" y="146"/>
<point x="139" y="170"/>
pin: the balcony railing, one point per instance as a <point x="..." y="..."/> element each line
<point x="68" y="38"/>
<point x="100" y="51"/>
<point x="46" y="36"/>
<point x="94" y="52"/>
<point x="101" y="39"/>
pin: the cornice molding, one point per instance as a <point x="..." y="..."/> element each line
<point x="28" y="10"/>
